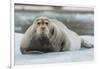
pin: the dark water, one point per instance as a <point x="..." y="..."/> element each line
<point x="81" y="23"/>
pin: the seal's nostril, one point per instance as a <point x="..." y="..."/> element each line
<point x="42" y="28"/>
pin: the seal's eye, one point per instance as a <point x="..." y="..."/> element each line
<point x="38" y="23"/>
<point x="46" y="23"/>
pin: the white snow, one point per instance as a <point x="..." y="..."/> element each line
<point x="56" y="57"/>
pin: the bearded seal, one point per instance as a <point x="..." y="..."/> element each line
<point x="49" y="35"/>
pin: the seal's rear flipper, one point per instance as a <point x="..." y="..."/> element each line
<point x="87" y="41"/>
<point x="86" y="44"/>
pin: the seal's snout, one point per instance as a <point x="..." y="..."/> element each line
<point x="43" y="28"/>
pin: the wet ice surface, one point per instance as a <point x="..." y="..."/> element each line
<point x="54" y="57"/>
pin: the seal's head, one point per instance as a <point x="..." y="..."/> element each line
<point x="42" y="25"/>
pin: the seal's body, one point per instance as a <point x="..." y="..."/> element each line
<point x="49" y="35"/>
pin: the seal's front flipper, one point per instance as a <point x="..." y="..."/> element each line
<point x="24" y="51"/>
